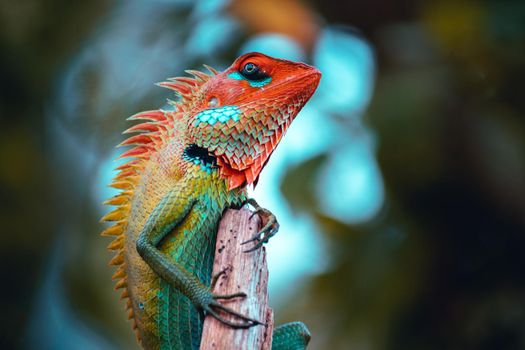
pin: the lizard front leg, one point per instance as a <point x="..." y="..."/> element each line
<point x="170" y="212"/>
<point x="270" y="226"/>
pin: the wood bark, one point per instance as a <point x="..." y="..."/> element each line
<point x="244" y="272"/>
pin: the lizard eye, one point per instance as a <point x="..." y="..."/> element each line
<point x="252" y="71"/>
<point x="250" y="67"/>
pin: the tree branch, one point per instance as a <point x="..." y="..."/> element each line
<point x="243" y="272"/>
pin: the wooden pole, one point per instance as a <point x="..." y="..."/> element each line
<point x="244" y="272"/>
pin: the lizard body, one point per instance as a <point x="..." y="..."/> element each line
<point x="187" y="166"/>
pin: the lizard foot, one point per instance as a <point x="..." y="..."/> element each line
<point x="269" y="229"/>
<point x="213" y="306"/>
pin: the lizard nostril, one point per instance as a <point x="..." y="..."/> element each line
<point x="213" y="102"/>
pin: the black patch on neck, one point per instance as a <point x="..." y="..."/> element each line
<point x="194" y="152"/>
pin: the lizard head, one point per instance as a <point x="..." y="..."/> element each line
<point x="255" y="76"/>
<point x="241" y="114"/>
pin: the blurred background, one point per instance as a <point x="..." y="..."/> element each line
<point x="400" y="187"/>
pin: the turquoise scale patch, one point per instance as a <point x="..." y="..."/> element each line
<point x="207" y="168"/>
<point x="220" y="114"/>
<point x="253" y="83"/>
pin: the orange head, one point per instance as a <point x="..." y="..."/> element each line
<point x="241" y="114"/>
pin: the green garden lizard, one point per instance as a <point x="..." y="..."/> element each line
<point x="185" y="167"/>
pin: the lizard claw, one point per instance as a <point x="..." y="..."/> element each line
<point x="215" y="278"/>
<point x="229" y="296"/>
<point x="269" y="229"/>
<point x="246" y="322"/>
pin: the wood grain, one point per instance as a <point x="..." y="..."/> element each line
<point x="244" y="272"/>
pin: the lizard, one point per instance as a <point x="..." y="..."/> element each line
<point x="186" y="165"/>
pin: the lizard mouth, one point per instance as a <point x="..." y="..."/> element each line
<point x="310" y="77"/>
<point x="306" y="81"/>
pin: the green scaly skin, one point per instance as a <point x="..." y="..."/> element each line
<point x="184" y="260"/>
<point x="178" y="243"/>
